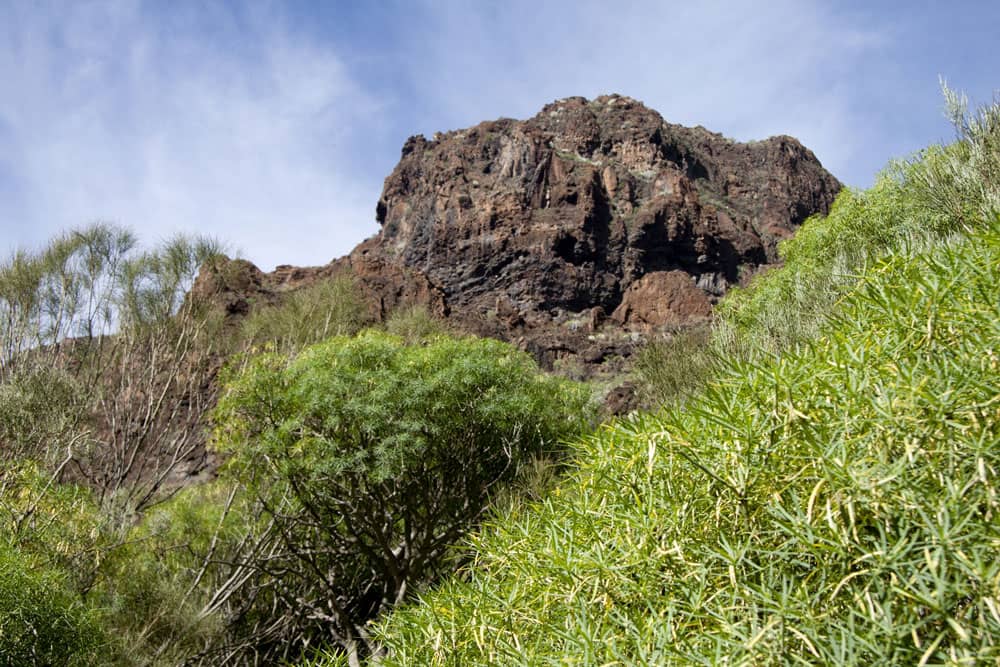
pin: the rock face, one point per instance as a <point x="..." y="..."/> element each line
<point x="577" y="232"/>
<point x="590" y="222"/>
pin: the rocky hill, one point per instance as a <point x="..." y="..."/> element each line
<point x="574" y="233"/>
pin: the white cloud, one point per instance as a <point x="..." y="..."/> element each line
<point x="748" y="70"/>
<point x="182" y="122"/>
<point x="273" y="130"/>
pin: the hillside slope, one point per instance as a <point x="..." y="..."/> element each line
<point x="828" y="499"/>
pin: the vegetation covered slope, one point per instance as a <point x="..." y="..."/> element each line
<point x="820" y="488"/>
<point x="829" y="497"/>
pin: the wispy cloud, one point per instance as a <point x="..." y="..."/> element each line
<point x="207" y="121"/>
<point x="272" y="124"/>
<point x="749" y="70"/>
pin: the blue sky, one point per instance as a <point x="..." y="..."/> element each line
<point x="271" y="125"/>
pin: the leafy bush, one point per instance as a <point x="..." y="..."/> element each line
<point x="41" y="621"/>
<point x="370" y="458"/>
<point x="156" y="587"/>
<point x="51" y="538"/>
<point x="57" y="525"/>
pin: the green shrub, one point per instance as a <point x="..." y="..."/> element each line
<point x="370" y="458"/>
<point x="59" y="525"/>
<point x="39" y="405"/>
<point x="42" y="621"/>
<point x="414" y="324"/>
<point x="156" y="587"/>
<point x="307" y="316"/>
<point x="102" y="361"/>
<point x="673" y="367"/>
<point x="100" y="354"/>
<point x="86" y="283"/>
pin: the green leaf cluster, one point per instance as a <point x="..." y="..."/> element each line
<point x="42" y="620"/>
<point x="374" y="407"/>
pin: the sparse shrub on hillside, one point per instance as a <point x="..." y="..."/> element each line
<point x="414" y="324"/>
<point x="100" y="351"/>
<point x="943" y="190"/>
<point x="64" y="290"/>
<point x="960" y="186"/>
<point x="307" y="316"/>
<point x="149" y="409"/>
<point x="40" y="406"/>
<point x="673" y="367"/>
<point x="85" y="285"/>
<point x="370" y="458"/>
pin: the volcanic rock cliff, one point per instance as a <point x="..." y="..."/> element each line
<point x="578" y="231"/>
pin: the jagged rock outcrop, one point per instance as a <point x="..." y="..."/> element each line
<point x="580" y="230"/>
<point x="589" y="222"/>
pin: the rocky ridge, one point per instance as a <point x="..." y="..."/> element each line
<point x="572" y="234"/>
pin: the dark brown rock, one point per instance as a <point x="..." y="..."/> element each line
<point x="663" y="298"/>
<point x="526" y="228"/>
<point x="575" y="233"/>
<point x="622" y="399"/>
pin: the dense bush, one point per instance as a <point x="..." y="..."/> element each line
<point x="156" y="587"/>
<point x="42" y="621"/>
<point x="370" y="458"/>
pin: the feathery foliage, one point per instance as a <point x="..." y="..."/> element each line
<point x="42" y="621"/>
<point x="370" y="457"/>
<point x="307" y="316"/>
